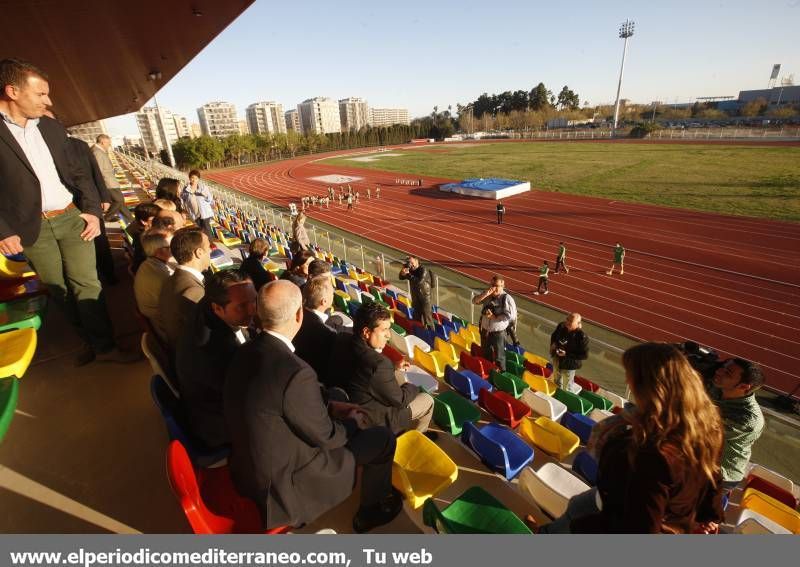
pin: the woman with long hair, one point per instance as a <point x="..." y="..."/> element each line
<point x="169" y="189"/>
<point x="659" y="461"/>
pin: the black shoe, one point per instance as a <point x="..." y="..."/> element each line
<point x="84" y="356"/>
<point x="432" y="435"/>
<point x="370" y="518"/>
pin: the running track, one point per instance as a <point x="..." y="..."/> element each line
<point x="732" y="283"/>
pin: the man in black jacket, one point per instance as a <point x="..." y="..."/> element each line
<point x="216" y="329"/>
<point x="569" y="347"/>
<point x="315" y="339"/>
<point x="419" y="278"/>
<point x="49" y="209"/>
<point x="370" y="379"/>
<point x="289" y="453"/>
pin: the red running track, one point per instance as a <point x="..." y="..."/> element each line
<point x="732" y="283"/>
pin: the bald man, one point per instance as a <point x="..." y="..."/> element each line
<point x="292" y="455"/>
<point x="569" y="347"/>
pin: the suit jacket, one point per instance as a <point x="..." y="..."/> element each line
<point x="286" y="453"/>
<point x="314" y="342"/>
<point x="253" y="267"/>
<point x="105" y="166"/>
<point x="370" y="382"/>
<point x="20" y="191"/>
<point x="205" y="350"/>
<point x="147" y="285"/>
<point x="178" y="296"/>
<point x="82" y="155"/>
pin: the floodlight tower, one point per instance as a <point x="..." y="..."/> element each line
<point x="625" y="31"/>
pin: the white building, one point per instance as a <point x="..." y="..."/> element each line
<point x="319" y="115"/>
<point x="88" y="132"/>
<point x="353" y="113"/>
<point x="218" y="119"/>
<point x="292" y="118"/>
<point x="157" y="128"/>
<point x="380" y="117"/>
<point x="244" y="129"/>
<point x="182" y="126"/>
<point x="266" y="118"/>
<point x="195" y="131"/>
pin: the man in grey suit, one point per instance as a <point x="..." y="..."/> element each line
<point x="153" y="273"/>
<point x="192" y="252"/>
<point x="100" y="151"/>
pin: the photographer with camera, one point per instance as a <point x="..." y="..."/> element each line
<point x="498" y="313"/>
<point x="569" y="347"/>
<point x="421" y="280"/>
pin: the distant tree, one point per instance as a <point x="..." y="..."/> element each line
<point x="539" y="97"/>
<point x="785" y="112"/>
<point x="754" y="107"/>
<point x="567" y="99"/>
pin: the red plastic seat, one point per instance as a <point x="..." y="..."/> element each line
<point x="475" y="349"/>
<point x="503" y="406"/>
<point x="586" y="384"/>
<point x="231" y="513"/>
<point x="390" y="301"/>
<point x="476" y="364"/>
<point x="392" y="354"/>
<point x="537" y="369"/>
<point x="781" y="495"/>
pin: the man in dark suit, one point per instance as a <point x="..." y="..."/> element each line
<point x="49" y="209"/>
<point x="206" y="347"/>
<point x="290" y="454"/>
<point x="370" y="379"/>
<point x="192" y="252"/>
<point x="315" y="339"/>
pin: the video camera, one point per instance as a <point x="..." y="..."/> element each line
<point x="703" y="359"/>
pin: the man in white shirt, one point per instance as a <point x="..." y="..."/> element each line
<point x="153" y="272"/>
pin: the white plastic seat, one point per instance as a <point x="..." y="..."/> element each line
<point x="771" y="476"/>
<point x="543" y="404"/>
<point x="575" y="389"/>
<point x="406" y="344"/>
<point x="616" y="399"/>
<point x="599" y="415"/>
<point x="751" y="522"/>
<point x="355" y="294"/>
<point x="551" y="487"/>
<point x="419" y="377"/>
<point x="346" y="320"/>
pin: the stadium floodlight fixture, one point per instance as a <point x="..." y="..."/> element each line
<point x="625" y="32"/>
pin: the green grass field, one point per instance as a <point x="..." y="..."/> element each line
<point x="740" y="180"/>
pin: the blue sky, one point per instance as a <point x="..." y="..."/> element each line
<point x="417" y="54"/>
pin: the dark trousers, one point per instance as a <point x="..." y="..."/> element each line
<point x="103" y="258"/>
<point x="205" y="226"/>
<point x="66" y="265"/>
<point x="559" y="265"/>
<point x="373" y="448"/>
<point x="118" y="205"/>
<point x="499" y="218"/>
<point x="494" y="347"/>
<point x="543" y="283"/>
<point x="423" y="310"/>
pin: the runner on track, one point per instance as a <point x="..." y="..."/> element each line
<point x="619" y="258"/>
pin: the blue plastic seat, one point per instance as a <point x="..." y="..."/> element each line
<point x="405" y="310"/>
<point x="425" y="334"/>
<point x="515" y="348"/>
<point x="172" y="412"/>
<point x="500" y="448"/>
<point x="466" y="382"/>
<point x="579" y="424"/>
<point x="352" y="308"/>
<point x="586" y="466"/>
<point x="449" y="326"/>
<point x="440" y="331"/>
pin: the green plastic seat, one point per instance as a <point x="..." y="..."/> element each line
<point x="461" y="321"/>
<point x="451" y="411"/>
<point x="474" y="512"/>
<point x="574" y="403"/>
<point x="512" y="356"/>
<point x="339" y="303"/>
<point x="517" y="369"/>
<point x="398" y="329"/>
<point x="9" y="393"/>
<point x="599" y="402"/>
<point x="509" y="383"/>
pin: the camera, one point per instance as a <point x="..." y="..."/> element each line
<point x="704" y="360"/>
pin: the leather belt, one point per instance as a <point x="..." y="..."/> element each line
<point x="53" y="214"/>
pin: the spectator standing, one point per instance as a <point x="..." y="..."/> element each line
<point x="561" y="259"/>
<point x="619" y="259"/>
<point x="49" y="210"/>
<point x="569" y="347"/>
<point x="544" y="276"/>
<point x="290" y="454"/>
<point x="101" y="151"/>
<point x="420" y="280"/>
<point x="299" y="233"/>
<point x="216" y="329"/>
<point x="501" y="210"/>
<point x="733" y="390"/>
<point x="197" y="202"/>
<point x="498" y="312"/>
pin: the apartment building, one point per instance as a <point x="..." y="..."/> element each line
<point x="319" y="115"/>
<point x="266" y="118"/>
<point x="353" y="113"/>
<point x="218" y="119"/>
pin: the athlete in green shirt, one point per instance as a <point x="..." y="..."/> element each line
<point x="619" y="258"/>
<point x="544" y="272"/>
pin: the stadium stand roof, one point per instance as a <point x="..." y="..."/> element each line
<point x="100" y="55"/>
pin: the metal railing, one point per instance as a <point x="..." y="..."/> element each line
<point x="729" y="133"/>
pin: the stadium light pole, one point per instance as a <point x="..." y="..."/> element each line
<point x="625" y="31"/>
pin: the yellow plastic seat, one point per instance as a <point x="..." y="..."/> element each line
<point x="449" y="352"/>
<point x="12" y="269"/>
<point x="432" y="362"/>
<point x="549" y="436"/>
<point x="771" y="508"/>
<point x="475" y="332"/>
<point x="405" y="300"/>
<point x="16" y="352"/>
<point x="535" y="358"/>
<point x="539" y="383"/>
<point x="421" y="469"/>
